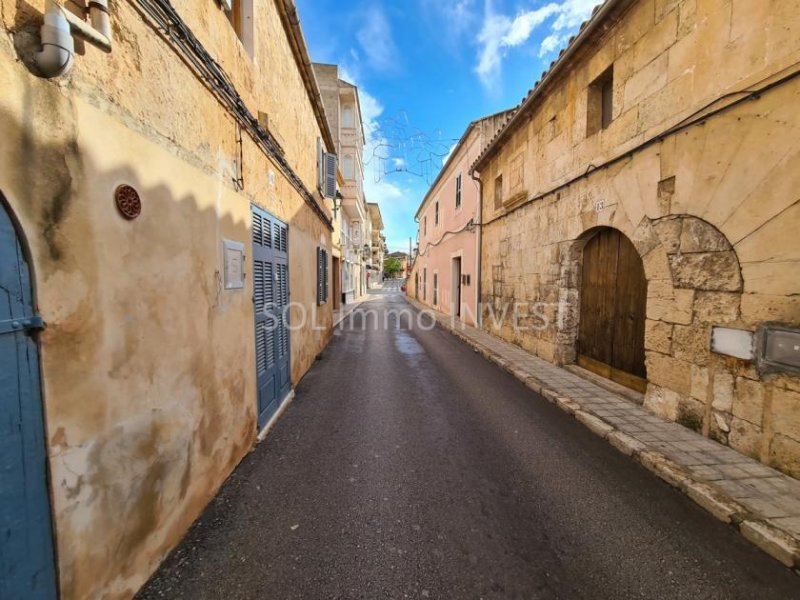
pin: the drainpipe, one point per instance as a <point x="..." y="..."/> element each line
<point x="58" y="49"/>
<point x="99" y="32"/>
<point x="479" y="223"/>
<point x="101" y="20"/>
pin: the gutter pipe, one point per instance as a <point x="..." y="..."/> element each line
<point x="57" y="55"/>
<point x="58" y="48"/>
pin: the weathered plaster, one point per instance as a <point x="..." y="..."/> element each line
<point x="148" y="366"/>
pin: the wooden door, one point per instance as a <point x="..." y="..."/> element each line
<point x="270" y="301"/>
<point x="27" y="563"/>
<point x="613" y="304"/>
<point x="336" y="292"/>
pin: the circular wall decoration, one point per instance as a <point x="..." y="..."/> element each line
<point x="129" y="204"/>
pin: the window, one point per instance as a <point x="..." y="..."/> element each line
<point x="326" y="171"/>
<point x="498" y="192"/>
<point x="600" y="106"/>
<point x="240" y="15"/>
<point x="322" y="276"/>
<point x="435" y="289"/>
<point x="424" y="284"/>
<point x="436" y="214"/>
<point x="348" y="167"/>
<point x="348" y="116"/>
<point x="425" y="226"/>
<point x="458" y="191"/>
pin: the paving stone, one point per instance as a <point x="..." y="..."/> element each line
<point x="772" y="541"/>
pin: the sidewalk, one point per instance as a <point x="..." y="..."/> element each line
<point x="761" y="503"/>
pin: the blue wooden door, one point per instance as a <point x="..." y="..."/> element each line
<point x="271" y="299"/>
<point x="27" y="568"/>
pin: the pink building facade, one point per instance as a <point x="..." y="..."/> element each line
<point x="445" y="273"/>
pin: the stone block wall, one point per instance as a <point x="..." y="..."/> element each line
<point x="704" y="187"/>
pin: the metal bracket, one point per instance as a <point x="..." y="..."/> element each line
<point x="33" y="323"/>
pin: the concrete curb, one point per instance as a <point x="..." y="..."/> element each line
<point x="778" y="543"/>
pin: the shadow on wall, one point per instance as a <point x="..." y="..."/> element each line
<point x="148" y="365"/>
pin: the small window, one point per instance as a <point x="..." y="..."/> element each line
<point x="240" y="16"/>
<point x="458" y="191"/>
<point x="600" y="107"/>
<point x="436" y="214"/>
<point x="348" y="116"/>
<point x="435" y="289"/>
<point x="425" y="284"/>
<point x="498" y="191"/>
<point x="348" y="167"/>
<point x="425" y="226"/>
<point x="322" y="276"/>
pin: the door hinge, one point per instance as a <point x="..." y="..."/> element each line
<point x="34" y="323"/>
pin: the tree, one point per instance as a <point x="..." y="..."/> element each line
<point x="391" y="267"/>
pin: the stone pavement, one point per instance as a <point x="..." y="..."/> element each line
<point x="761" y="503"/>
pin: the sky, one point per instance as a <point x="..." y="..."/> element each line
<point x="425" y="69"/>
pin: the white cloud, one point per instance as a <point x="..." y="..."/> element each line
<point x="524" y="24"/>
<point x="500" y="32"/>
<point x="452" y="19"/>
<point x="375" y="38"/>
<point x="551" y="43"/>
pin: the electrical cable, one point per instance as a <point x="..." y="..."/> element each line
<point x="697" y="117"/>
<point x="165" y="20"/>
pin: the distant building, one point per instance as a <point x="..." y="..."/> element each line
<point x="445" y="271"/>
<point x="377" y="245"/>
<point x="343" y="110"/>
<point x="403" y="258"/>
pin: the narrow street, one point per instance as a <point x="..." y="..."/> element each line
<point x="434" y="474"/>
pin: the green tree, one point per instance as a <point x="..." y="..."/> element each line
<point x="391" y="267"/>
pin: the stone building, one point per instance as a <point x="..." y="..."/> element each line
<point x="640" y="215"/>
<point x="160" y="194"/>
<point x="343" y="110"/>
<point x="444" y="275"/>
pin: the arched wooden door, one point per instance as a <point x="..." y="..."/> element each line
<point x="613" y="304"/>
<point x="27" y="566"/>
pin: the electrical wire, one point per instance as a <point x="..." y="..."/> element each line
<point x="697" y="117"/>
<point x="468" y="225"/>
<point x="165" y="20"/>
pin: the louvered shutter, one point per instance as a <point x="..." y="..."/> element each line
<point x="325" y="278"/>
<point x="319" y="276"/>
<point x="330" y="176"/>
<point x="320" y="165"/>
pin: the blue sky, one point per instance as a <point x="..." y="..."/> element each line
<point x="425" y="69"/>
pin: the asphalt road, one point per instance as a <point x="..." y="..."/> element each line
<point x="410" y="467"/>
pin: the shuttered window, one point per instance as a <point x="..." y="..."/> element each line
<point x="326" y="171"/>
<point x="330" y="176"/>
<point x="458" y="191"/>
<point x="322" y="276"/>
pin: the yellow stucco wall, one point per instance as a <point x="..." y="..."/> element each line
<point x="712" y="209"/>
<point x="148" y="365"/>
